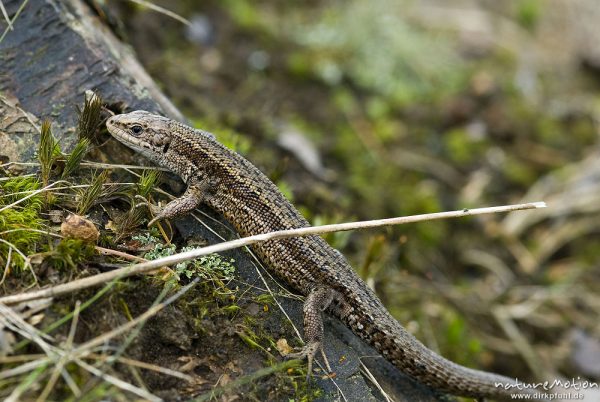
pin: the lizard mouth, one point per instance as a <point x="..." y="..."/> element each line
<point x="112" y="124"/>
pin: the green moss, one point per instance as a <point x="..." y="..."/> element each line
<point x="529" y="13"/>
<point x="226" y="136"/>
<point x="18" y="224"/>
<point x="462" y="147"/>
<point x="519" y="172"/>
<point x="75" y="157"/>
<point x="298" y="64"/>
<point x="90" y="118"/>
<point x="148" y="182"/>
<point x="249" y="337"/>
<point x="68" y="254"/>
<point x="406" y="64"/>
<point x="231" y="309"/>
<point x="285" y="189"/>
<point x="245" y="14"/>
<point x="457" y="343"/>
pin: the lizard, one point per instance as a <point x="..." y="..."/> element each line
<point x="232" y="186"/>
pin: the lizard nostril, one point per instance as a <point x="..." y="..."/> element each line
<point x="110" y="120"/>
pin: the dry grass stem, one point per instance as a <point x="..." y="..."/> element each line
<point x="162" y="10"/>
<point x="120" y="254"/>
<point x="143" y="365"/>
<point x="246" y="241"/>
<point x="41" y="190"/>
<point x="60" y="358"/>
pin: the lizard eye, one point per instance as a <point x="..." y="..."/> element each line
<point x="137" y="129"/>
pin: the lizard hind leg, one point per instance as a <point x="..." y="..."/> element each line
<point x="317" y="301"/>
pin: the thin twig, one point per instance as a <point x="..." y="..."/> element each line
<point x="7" y="267"/>
<point x="46" y="232"/>
<point x="121" y="166"/>
<point x="59" y="366"/>
<point x="367" y="373"/>
<point x="6" y="17"/>
<point x="246" y="241"/>
<point x="162" y="10"/>
<point x="94" y="165"/>
<point x="24" y="368"/>
<point x="20" y="358"/>
<point x="118" y="382"/>
<point x="41" y="190"/>
<point x="12" y="22"/>
<point x="247" y="379"/>
<point x="112" y="184"/>
<point x="143" y="365"/>
<point x="26" y="262"/>
<point x="121" y="254"/>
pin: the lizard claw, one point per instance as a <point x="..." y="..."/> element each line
<point x="154" y="209"/>
<point x="144" y="203"/>
<point x="307" y="352"/>
<point x="155" y="219"/>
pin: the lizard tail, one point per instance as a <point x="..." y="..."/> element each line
<point x="413" y="358"/>
<point x="438" y="372"/>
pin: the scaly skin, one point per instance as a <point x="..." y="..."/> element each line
<point x="232" y="186"/>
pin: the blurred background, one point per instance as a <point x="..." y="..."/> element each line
<point x="365" y="110"/>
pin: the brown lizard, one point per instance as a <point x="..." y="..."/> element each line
<point x="232" y="186"/>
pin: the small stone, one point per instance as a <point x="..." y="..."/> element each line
<point x="78" y="227"/>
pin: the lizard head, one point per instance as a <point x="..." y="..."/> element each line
<point x="147" y="133"/>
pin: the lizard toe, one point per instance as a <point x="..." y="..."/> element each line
<point x="307" y="352"/>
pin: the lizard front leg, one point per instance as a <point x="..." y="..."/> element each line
<point x="316" y="302"/>
<point x="193" y="196"/>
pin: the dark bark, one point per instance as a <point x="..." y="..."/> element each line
<point x="57" y="51"/>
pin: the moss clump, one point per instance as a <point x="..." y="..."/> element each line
<point x="67" y="253"/>
<point x="20" y="223"/>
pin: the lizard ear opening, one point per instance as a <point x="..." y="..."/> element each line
<point x="166" y="147"/>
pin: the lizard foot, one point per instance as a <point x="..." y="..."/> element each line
<point x="308" y="352"/>
<point x="179" y="206"/>
<point x="154" y="209"/>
